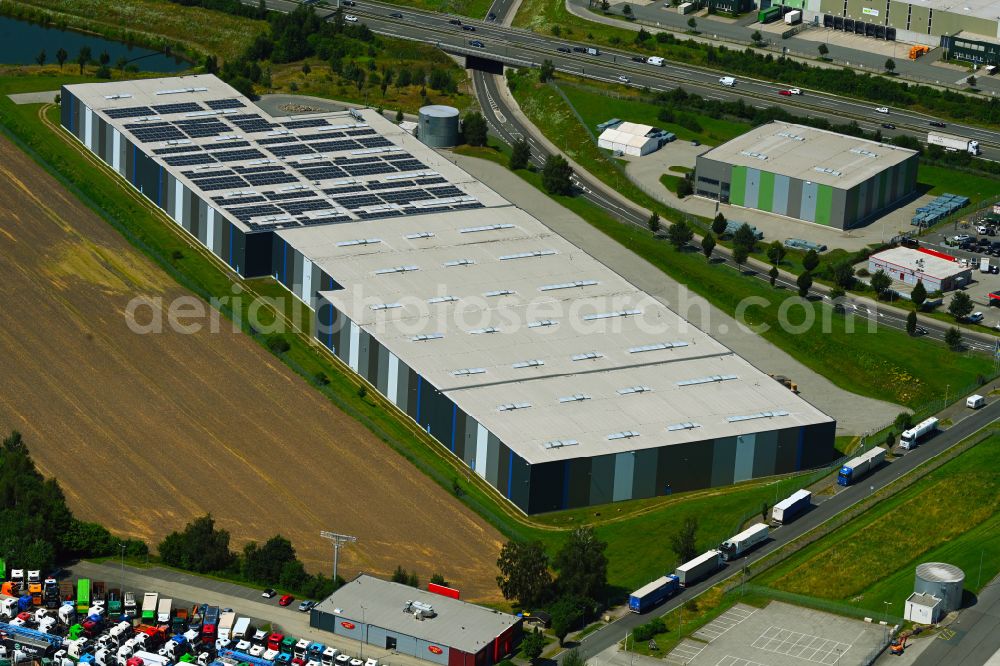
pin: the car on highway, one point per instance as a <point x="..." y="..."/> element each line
<point x="937" y="123"/>
<point x="306" y="606"/>
<point x="976" y="317"/>
<point x="882" y="109"/>
<point x="395" y="15"/>
<point x="787" y="93"/>
<point x="348" y="3"/>
<point x="268" y="593"/>
<point x="888" y="126"/>
<point x="579" y="49"/>
<point x="351" y="18"/>
<point x="285" y="600"/>
<point x="564" y="49"/>
<point x="478" y="44"/>
<point x="795" y="91"/>
<point x="491" y="16"/>
<point x="624" y="79"/>
<point x="469" y="28"/>
<point x="638" y="59"/>
<point x="920" y="331"/>
<point x="454" y="22"/>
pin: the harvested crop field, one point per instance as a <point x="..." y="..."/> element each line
<point x="144" y="432"/>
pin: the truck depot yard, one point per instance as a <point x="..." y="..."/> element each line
<point x="145" y="432"/>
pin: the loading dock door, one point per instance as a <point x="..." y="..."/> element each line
<point x="390" y="642"/>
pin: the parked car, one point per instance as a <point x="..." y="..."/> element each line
<point x="350" y="18"/>
<point x="306" y="606"/>
<point x="882" y="109"/>
<point x="976" y="317"/>
<point x="285" y="600"/>
<point x="268" y="593"/>
<point x="478" y="44"/>
<point x="961" y="238"/>
<point x="937" y="123"/>
<point x="638" y="59"/>
<point x="579" y="49"/>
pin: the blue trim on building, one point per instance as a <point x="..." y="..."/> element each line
<point x="565" y="492"/>
<point x="510" y="472"/>
<point x="329" y="330"/>
<point x="231" y="230"/>
<point x="284" y="263"/>
<point x="420" y="383"/>
<point x="800" y="448"/>
<point x="454" y="424"/>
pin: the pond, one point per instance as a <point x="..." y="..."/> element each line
<point x="21" y="41"/>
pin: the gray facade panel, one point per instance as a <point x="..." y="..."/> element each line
<point x="752" y="196"/>
<point x="624" y="475"/>
<point x="602" y="479"/>
<point x="765" y="453"/>
<point x="382" y="381"/>
<point x="743" y="461"/>
<point x="644" y="477"/>
<point x="807" y="211"/>
<point x="493" y="460"/>
<point x="723" y="459"/>
<point x="794" y="198"/>
<point x="781" y="184"/>
<point x="838" y="209"/>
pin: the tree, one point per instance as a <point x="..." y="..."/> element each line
<point x="653" y="222"/>
<point x="557" y="175"/>
<point x="773" y="275"/>
<point x="400" y="575"/>
<point x="684" y="188"/>
<point x="960" y="306"/>
<point x="823" y="50"/>
<point x="399" y="116"/>
<point x="474" y="128"/>
<point x="776" y="252"/>
<point x="763" y="511"/>
<point x="810" y="261"/>
<point x="971" y="81"/>
<point x="740" y="255"/>
<point x="104" y="58"/>
<point x="200" y="547"/>
<point x="83" y="57"/>
<point x="843" y="274"/>
<point x="680" y="234"/>
<point x="692" y="23"/>
<point x="890" y="65"/>
<point x="627" y="11"/>
<point x="919" y="295"/>
<point x="306" y="69"/>
<point x="804" y="282"/>
<point x="566" y="614"/>
<point x="756" y="37"/>
<point x="40" y="58"/>
<point x="745" y="238"/>
<point x="911" y="322"/>
<point x="684" y="541"/>
<point x="605" y="5"/>
<point x="533" y="644"/>
<point x="438" y="579"/>
<point x="953" y="338"/>
<point x="546" y="71"/>
<point x="903" y="421"/>
<point x="61" y="56"/>
<point x="211" y="63"/>
<point x="880" y="282"/>
<point x="573" y="658"/>
<point x="707" y="245"/>
<point x="582" y="565"/>
<point x="524" y="572"/>
<point x="719" y="224"/>
<point x="837" y="293"/>
<point x="264" y="564"/>
<point x="520" y="155"/>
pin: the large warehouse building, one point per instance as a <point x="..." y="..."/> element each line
<point x="428" y="626"/>
<point x="808" y="174"/>
<point x="546" y="373"/>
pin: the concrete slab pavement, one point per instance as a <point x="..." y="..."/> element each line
<point x="43" y="97"/>
<point x="854" y="414"/>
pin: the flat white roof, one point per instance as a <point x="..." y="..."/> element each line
<point x="922" y="263"/>
<point x="631" y="134"/>
<point x="810" y="154"/>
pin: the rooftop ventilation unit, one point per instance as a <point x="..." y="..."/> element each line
<point x="687" y="425"/>
<point x="793" y="137"/>
<point x="542" y="323"/>
<point x="482" y="331"/>
<point x="118" y="96"/>
<point x="862" y="151"/>
<point x="177" y="91"/>
<point x="633" y="389"/>
<point x="385" y="306"/>
<point x="656" y="346"/>
<point x="526" y="255"/>
<point x="826" y="170"/>
<point x="610" y="315"/>
<point x="419" y="234"/>
<point x="359" y="241"/>
<point x="464" y="372"/>
<point x="418" y="609"/>
<point x="532" y="363"/>
<point x="587" y="356"/>
<point x="756" y="156"/>
<point x="357" y="115"/>
<point x="499" y="292"/>
<point x="758" y="415"/>
<point x="624" y="434"/>
<point x="424" y="337"/>
<point x="513" y="406"/>
<point x="459" y="262"/>
<point x="559" y="443"/>
<point x="707" y="380"/>
<point x="396" y="269"/>
<point x="488" y="227"/>
<point x="442" y="299"/>
<point x="579" y="397"/>
<point x="568" y="285"/>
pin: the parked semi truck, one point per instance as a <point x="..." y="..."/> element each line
<point x="953" y="143"/>
<point x="149" y="601"/>
<point x="164" y="609"/>
<point x="700" y="567"/>
<point x="652" y="594"/>
<point x="861" y="466"/>
<point x="737" y="545"/>
<point x="911" y="437"/>
<point x="226" y="621"/>
<point x="787" y="509"/>
<point x="82" y="596"/>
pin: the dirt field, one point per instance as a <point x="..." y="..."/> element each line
<point x="144" y="432"/>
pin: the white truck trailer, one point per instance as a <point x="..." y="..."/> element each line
<point x="737" y="545"/>
<point x="910" y="437"/>
<point x="700" y="567"/>
<point x="953" y="143"/>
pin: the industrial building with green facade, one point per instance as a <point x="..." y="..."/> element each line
<point x="808" y="174"/>
<point x="531" y="363"/>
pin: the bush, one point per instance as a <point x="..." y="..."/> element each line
<point x="278" y="344"/>
<point x="644" y="632"/>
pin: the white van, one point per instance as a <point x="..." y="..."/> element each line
<point x="655" y="60"/>
<point x="728" y="81"/>
<point x="975" y="401"/>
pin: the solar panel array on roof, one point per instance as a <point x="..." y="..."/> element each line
<point x="151" y="132"/>
<point x="220" y="104"/>
<point x="197" y="128"/>
<point x="235" y="201"/>
<point x="180" y="107"/>
<point x="334" y="146"/>
<point x="287" y="138"/>
<point x="189" y="160"/>
<point x="176" y="149"/>
<point x="311" y="122"/>
<point x="237" y="155"/>
<point x="375" y="142"/>
<point x="226" y="183"/>
<point x="249" y="122"/>
<point x="322" y="173"/>
<point x="244" y="213"/>
<point x="296" y="194"/>
<point x="270" y="178"/>
<point x="129" y="112"/>
<point x="290" y="149"/>
<point x="208" y="174"/>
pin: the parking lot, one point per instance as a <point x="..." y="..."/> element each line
<point x="779" y="635"/>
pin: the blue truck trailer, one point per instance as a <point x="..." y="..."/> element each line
<point x="652" y="594"/>
<point x="857" y="468"/>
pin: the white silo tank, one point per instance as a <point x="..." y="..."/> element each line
<point x="438" y="126"/>
<point x="942" y="580"/>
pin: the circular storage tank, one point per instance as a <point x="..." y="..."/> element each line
<point x="438" y="126"/>
<point x="942" y="580"/>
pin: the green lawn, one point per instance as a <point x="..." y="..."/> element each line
<point x="943" y="180"/>
<point x="951" y="515"/>
<point x="670" y="182"/>
<point x="595" y="107"/>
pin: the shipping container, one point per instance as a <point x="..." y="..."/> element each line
<point x="787" y="509"/>
<point x="769" y="14"/>
<point x="652" y="594"/>
<point x="698" y="568"/>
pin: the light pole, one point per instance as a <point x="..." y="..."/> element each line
<point x="338" y="540"/>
